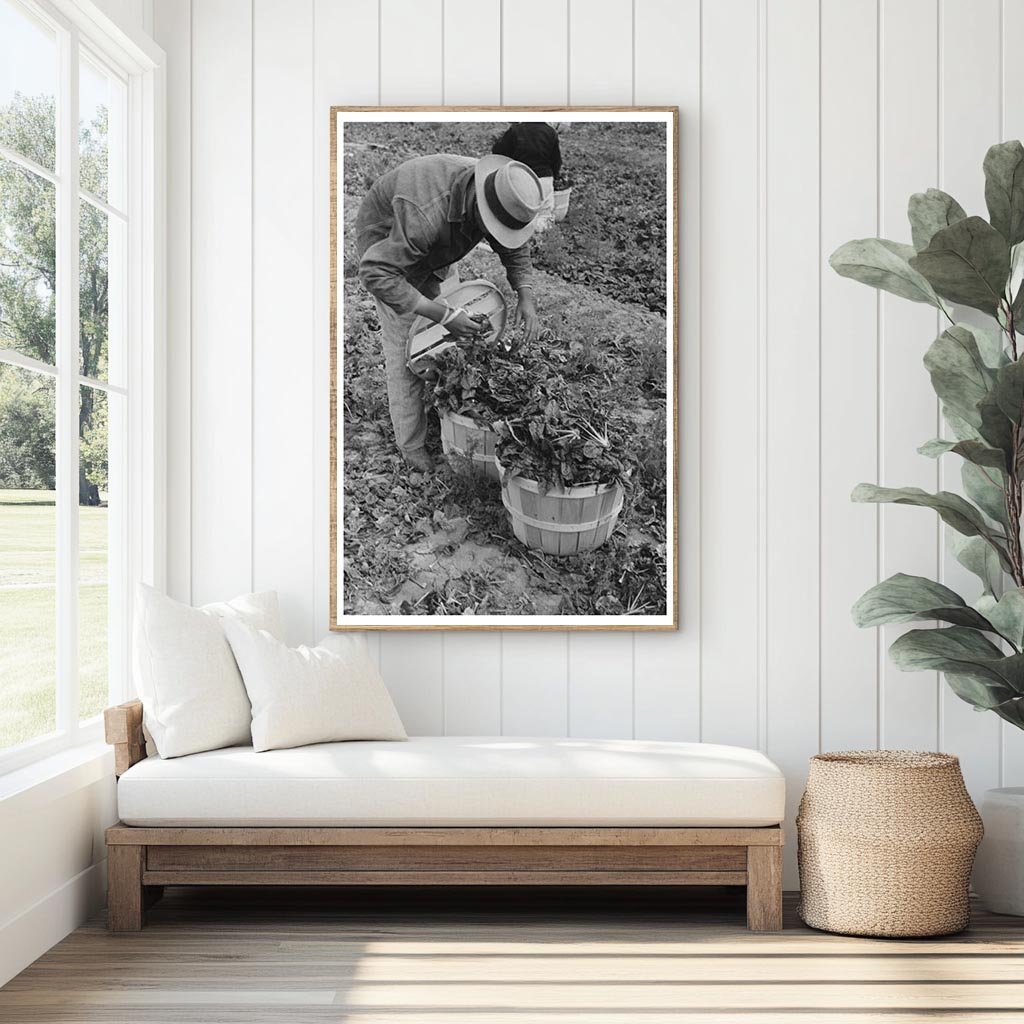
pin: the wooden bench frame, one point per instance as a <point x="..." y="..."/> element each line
<point x="142" y="860"/>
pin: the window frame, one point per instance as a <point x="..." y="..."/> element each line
<point x="139" y="63"/>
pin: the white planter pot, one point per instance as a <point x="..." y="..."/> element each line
<point x="999" y="867"/>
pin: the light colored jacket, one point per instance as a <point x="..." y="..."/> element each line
<point x="415" y="222"/>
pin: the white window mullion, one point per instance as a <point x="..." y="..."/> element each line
<point x="67" y="386"/>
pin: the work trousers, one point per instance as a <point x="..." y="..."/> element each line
<point x="406" y="401"/>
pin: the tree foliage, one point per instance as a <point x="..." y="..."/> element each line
<point x="28" y="289"/>
<point x="978" y="375"/>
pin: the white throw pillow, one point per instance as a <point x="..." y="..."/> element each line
<point x="192" y="693"/>
<point x="309" y="694"/>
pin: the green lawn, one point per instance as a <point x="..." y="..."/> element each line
<point x="28" y="524"/>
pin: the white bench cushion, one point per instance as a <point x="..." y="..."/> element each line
<point x="458" y="780"/>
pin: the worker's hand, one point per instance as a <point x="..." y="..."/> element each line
<point x="526" y="314"/>
<point x="468" y="327"/>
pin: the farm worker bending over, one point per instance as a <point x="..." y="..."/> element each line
<point x="415" y="223"/>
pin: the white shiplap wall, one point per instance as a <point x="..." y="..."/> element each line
<point x="804" y="123"/>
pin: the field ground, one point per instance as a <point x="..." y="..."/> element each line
<point x="442" y="545"/>
<point x="28" y="524"/>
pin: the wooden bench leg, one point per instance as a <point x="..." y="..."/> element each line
<point x="125" y="896"/>
<point x="764" y="888"/>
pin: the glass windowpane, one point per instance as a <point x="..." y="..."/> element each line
<point x="101" y="103"/>
<point x="28" y="85"/>
<point x="101" y="282"/>
<point x="28" y="562"/>
<point x="94" y="546"/>
<point x="28" y="263"/>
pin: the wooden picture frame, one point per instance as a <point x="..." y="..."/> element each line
<point x="642" y="612"/>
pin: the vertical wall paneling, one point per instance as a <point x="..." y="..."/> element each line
<point x="411" y="58"/>
<point x="909" y="415"/>
<point x="792" y="415"/>
<point x="601" y="72"/>
<point x="345" y="50"/>
<point x="666" y="666"/>
<point x="411" y="72"/>
<point x="472" y="684"/>
<point x="600" y="684"/>
<point x="849" y="369"/>
<point x="472" y="661"/>
<point x="968" y="125"/>
<point x="600" y="52"/>
<point x="534" y="52"/>
<point x="730" y="272"/>
<point x="132" y="15"/>
<point x="413" y="665"/>
<point x="535" y="70"/>
<point x="283" y="339"/>
<point x="221" y="370"/>
<point x="472" y="52"/>
<point x="173" y="28"/>
<point x="1011" y="112"/>
<point x="803" y="125"/>
<point x="536" y="700"/>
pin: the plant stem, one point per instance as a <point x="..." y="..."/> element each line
<point x="1012" y="496"/>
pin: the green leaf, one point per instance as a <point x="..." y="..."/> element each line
<point x="984" y="486"/>
<point x="973" y="451"/>
<point x="1006" y="614"/>
<point x="990" y="345"/>
<point x="1017" y="307"/>
<point x="976" y="555"/>
<point x="883" y="264"/>
<point x="1004" y="189"/>
<point x="996" y="428"/>
<point x="1009" y="390"/>
<point x="1011" y="711"/>
<point x="964" y="652"/>
<point x="961" y="429"/>
<point x="967" y="263"/>
<point x="1015" y="285"/>
<point x="952" y="509"/>
<point x="932" y="211"/>
<point x="958" y="372"/>
<point x="983" y="695"/>
<point x="903" y="598"/>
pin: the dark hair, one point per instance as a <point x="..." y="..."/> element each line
<point x="533" y="143"/>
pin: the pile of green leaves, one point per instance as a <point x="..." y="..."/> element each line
<point x="483" y="381"/>
<point x="978" y="374"/>
<point x="552" y="405"/>
<point x="560" y="445"/>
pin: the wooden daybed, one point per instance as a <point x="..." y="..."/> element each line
<point x="186" y="843"/>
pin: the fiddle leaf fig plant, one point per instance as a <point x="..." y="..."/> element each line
<point x="977" y="373"/>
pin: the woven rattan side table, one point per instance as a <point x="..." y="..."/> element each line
<point x="886" y="840"/>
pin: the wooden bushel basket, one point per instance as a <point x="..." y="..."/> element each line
<point x="465" y="439"/>
<point x="428" y="340"/>
<point x="566" y="520"/>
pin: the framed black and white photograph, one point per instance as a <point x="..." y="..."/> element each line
<point x="503" y="368"/>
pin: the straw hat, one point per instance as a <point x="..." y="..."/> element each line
<point x="510" y="196"/>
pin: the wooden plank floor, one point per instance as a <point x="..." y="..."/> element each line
<point x="219" y="956"/>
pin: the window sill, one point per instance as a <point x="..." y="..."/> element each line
<point x="55" y="776"/>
